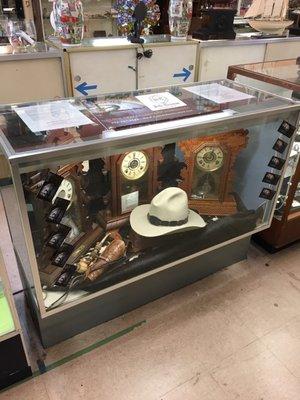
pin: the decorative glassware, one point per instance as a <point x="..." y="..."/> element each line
<point x="21" y="34"/>
<point x="68" y="21"/>
<point x="124" y="10"/>
<point x="180" y="15"/>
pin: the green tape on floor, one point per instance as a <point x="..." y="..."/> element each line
<point x="93" y="346"/>
<point x="80" y="353"/>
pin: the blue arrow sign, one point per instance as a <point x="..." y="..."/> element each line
<point x="84" y="87"/>
<point x="184" y="74"/>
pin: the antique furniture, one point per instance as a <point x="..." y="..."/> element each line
<point x="130" y="271"/>
<point x="217" y="23"/>
<point x="209" y="174"/>
<point x="134" y="177"/>
<point x="281" y="77"/>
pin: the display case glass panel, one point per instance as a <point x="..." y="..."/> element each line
<point x="283" y="70"/>
<point x="6" y="319"/>
<point x="141" y="181"/>
<point x="290" y="175"/>
<point x="281" y="77"/>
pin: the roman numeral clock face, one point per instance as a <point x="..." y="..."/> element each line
<point x="134" y="165"/>
<point x="210" y="158"/>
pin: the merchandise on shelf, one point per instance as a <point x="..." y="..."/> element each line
<point x="180" y="16"/>
<point x="131" y="183"/>
<point x="67" y="20"/>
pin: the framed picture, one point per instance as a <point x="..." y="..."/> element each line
<point x="280" y="146"/>
<point x="271" y="178"/>
<point x="276" y="162"/>
<point x="286" y="129"/>
<point x="267" y="194"/>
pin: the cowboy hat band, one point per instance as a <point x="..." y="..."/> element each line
<point x="158" y="222"/>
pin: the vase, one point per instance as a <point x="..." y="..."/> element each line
<point x="180" y="15"/>
<point x="68" y="21"/>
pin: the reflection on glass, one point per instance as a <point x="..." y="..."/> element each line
<point x="98" y="244"/>
<point x="6" y="319"/>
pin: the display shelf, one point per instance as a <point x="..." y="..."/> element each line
<point x="83" y="169"/>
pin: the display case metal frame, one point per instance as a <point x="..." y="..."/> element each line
<point x="141" y="137"/>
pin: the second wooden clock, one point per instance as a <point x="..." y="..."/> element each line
<point x="210" y="171"/>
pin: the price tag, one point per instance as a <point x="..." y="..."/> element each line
<point x="129" y="201"/>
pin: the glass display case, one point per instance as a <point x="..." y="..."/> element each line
<point x="14" y="363"/>
<point x="279" y="73"/>
<point x="106" y="185"/>
<point x="283" y="77"/>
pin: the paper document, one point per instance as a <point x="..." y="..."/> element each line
<point x="52" y="115"/>
<point x="218" y="93"/>
<point x="160" y="101"/>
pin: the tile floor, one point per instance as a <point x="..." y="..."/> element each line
<point x="233" y="335"/>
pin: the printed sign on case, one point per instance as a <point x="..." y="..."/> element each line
<point x="52" y="115"/>
<point x="218" y="93"/>
<point x="160" y="101"/>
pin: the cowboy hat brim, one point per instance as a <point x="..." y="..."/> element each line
<point x="140" y="224"/>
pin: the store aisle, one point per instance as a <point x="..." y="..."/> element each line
<point x="233" y="335"/>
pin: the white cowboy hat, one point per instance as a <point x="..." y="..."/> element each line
<point x="167" y="213"/>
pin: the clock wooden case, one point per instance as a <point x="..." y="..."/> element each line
<point x="133" y="179"/>
<point x="210" y="170"/>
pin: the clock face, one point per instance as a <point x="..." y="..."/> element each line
<point x="134" y="165"/>
<point x="65" y="190"/>
<point x="210" y="158"/>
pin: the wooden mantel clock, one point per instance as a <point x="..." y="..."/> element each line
<point x="210" y="171"/>
<point x="133" y="179"/>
